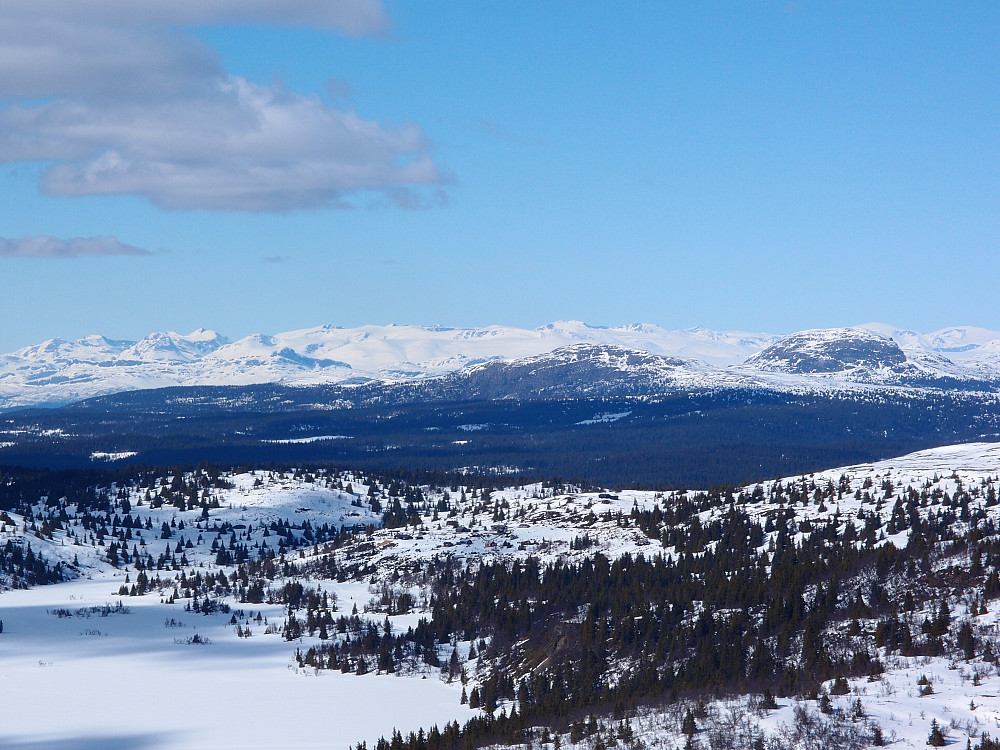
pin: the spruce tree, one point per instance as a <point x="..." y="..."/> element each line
<point x="936" y="738"/>
<point x="689" y="726"/>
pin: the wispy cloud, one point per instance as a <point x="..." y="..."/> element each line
<point x="351" y="17"/>
<point x="114" y="101"/>
<point x="275" y="259"/>
<point x="44" y="246"/>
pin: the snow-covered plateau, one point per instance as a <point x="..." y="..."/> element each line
<point x="59" y="371"/>
<point x="153" y="632"/>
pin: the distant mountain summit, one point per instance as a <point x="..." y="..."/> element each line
<point x="559" y="357"/>
<point x="173" y="347"/>
<point x="580" y="370"/>
<point x="828" y="351"/>
<point x="865" y="356"/>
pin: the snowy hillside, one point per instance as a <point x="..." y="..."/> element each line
<point x="859" y="355"/>
<point x="584" y="370"/>
<point x="231" y="590"/>
<point x="834" y="350"/>
<point x="976" y="349"/>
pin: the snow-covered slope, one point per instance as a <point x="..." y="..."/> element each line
<point x="172" y="347"/>
<point x="964" y="345"/>
<point x="60" y="637"/>
<point x="57" y="638"/>
<point x="833" y="350"/>
<point x="583" y="370"/>
<point x="861" y="355"/>
<point x="58" y="371"/>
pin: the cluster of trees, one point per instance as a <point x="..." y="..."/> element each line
<point x="100" y="508"/>
<point x="717" y="615"/>
<point x="22" y="567"/>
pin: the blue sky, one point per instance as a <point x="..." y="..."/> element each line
<point x="265" y="165"/>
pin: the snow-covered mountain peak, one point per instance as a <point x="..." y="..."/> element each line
<point x="205" y="335"/>
<point x="868" y="356"/>
<point x="612" y="355"/>
<point x="830" y="350"/>
<point x="56" y="351"/>
<point x="255" y="343"/>
<point x="965" y="345"/>
<point x="170" y="346"/>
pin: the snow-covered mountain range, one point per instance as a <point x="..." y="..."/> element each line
<point x="59" y="371"/>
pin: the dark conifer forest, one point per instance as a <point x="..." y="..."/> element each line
<point x="696" y="439"/>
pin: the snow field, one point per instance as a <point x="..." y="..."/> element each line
<point x="135" y="680"/>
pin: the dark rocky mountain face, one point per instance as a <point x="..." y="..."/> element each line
<point x="579" y="370"/>
<point x="830" y="351"/>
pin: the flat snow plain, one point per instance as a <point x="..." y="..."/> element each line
<point x="131" y="681"/>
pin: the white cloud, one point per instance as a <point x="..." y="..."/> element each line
<point x="240" y="148"/>
<point x="44" y="246"/>
<point x="352" y="17"/>
<point x="42" y="58"/>
<point x="114" y="102"/>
